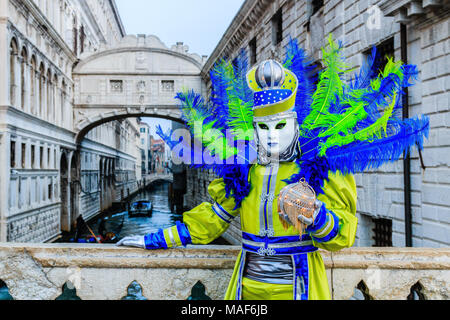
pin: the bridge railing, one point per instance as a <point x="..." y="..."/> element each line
<point x="92" y="271"/>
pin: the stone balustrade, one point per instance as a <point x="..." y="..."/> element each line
<point x="94" y="271"/>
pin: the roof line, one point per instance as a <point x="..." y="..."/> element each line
<point x="117" y="17"/>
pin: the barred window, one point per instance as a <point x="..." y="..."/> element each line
<point x="167" y="86"/>
<point x="382" y="232"/>
<point x="116" y="85"/>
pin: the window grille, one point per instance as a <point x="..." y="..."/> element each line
<point x="382" y="232"/>
<point x="167" y="86"/>
<point x="116" y="85"/>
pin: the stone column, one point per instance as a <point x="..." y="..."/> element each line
<point x="5" y="172"/>
<point x="28" y="97"/>
<point x="4" y="54"/>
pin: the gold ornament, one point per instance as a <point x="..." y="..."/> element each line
<point x="294" y="200"/>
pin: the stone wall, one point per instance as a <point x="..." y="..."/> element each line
<point x="104" y="272"/>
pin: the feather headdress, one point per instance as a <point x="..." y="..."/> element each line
<point x="347" y="126"/>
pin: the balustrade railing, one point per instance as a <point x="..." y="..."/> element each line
<point x="92" y="271"/>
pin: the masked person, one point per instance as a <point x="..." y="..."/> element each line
<point x="288" y="131"/>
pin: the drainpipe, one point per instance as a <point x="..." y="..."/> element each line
<point x="406" y="159"/>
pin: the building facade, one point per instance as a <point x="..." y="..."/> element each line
<point x="145" y="140"/>
<point x="47" y="178"/>
<point x="403" y="203"/>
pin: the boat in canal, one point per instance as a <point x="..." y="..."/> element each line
<point x="141" y="208"/>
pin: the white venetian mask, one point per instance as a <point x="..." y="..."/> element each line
<point x="276" y="136"/>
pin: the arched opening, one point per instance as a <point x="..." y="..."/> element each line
<point x="12" y="71"/>
<point x="55" y="103"/>
<point x="63" y="102"/>
<point x="23" y="77"/>
<point x="64" y="192"/>
<point x="416" y="292"/>
<point x="49" y="89"/>
<point x="4" y="292"/>
<point x="361" y="292"/>
<point x="175" y="117"/>
<point x="33" y="79"/>
<point x="74" y="189"/>
<point x="41" y="89"/>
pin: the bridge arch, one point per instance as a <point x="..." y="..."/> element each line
<point x="102" y="118"/>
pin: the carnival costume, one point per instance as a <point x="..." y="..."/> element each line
<point x="294" y="193"/>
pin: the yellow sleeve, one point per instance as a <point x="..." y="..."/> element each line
<point x="207" y="221"/>
<point x="339" y="229"/>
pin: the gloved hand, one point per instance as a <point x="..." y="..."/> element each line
<point x="178" y="235"/>
<point x="132" y="241"/>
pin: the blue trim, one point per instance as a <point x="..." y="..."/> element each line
<point x="277" y="240"/>
<point x="183" y="233"/>
<point x="271" y="240"/>
<point x="282" y="251"/>
<point x="219" y="214"/>
<point x="241" y="271"/>
<point x="321" y="220"/>
<point x="224" y="211"/>
<point x="155" y="240"/>
<point x="333" y="233"/>
<point x="267" y="97"/>
<point x="302" y="274"/>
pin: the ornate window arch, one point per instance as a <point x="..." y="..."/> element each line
<point x="13" y="51"/>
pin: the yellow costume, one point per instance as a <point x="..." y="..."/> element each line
<point x="338" y="128"/>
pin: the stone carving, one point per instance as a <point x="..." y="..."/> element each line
<point x="141" y="61"/>
<point x="140" y="86"/>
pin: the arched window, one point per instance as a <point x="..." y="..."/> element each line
<point x="41" y="89"/>
<point x="63" y="102"/>
<point x="33" y="85"/>
<point x="23" y="77"/>
<point x="55" y="103"/>
<point x="49" y="95"/>
<point x="12" y="71"/>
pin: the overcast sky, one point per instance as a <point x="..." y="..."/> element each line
<point x="200" y="24"/>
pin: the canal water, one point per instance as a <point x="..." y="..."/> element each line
<point x="122" y="225"/>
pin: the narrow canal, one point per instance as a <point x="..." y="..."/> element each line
<point x="119" y="222"/>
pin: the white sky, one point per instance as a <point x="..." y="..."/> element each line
<point x="200" y="24"/>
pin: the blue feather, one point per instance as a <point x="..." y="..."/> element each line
<point x="360" y="156"/>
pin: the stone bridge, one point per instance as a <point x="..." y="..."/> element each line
<point x="105" y="272"/>
<point x="151" y="178"/>
<point x="138" y="77"/>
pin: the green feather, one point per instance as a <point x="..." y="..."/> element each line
<point x="329" y="86"/>
<point x="377" y="129"/>
<point x="240" y="112"/>
<point x="341" y="132"/>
